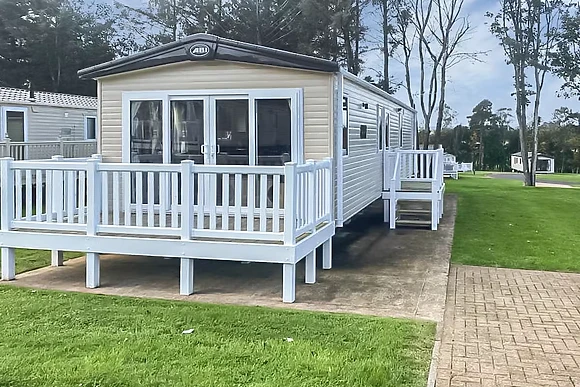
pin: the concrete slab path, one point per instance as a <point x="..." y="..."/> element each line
<point x="506" y="327"/>
<point x="401" y="273"/>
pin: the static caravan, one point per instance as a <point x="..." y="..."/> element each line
<point x="216" y="149"/>
<point x="33" y="124"/>
<point x="545" y="164"/>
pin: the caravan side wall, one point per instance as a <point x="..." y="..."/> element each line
<point x="46" y="123"/>
<point x="363" y="165"/>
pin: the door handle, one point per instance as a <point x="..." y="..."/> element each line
<point x="203" y="149"/>
<point x="217" y="149"/>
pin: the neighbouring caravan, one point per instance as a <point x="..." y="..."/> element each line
<point x="545" y="164"/>
<point x="211" y="148"/>
<point x="32" y="123"/>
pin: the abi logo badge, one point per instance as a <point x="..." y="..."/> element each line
<point x="199" y="50"/>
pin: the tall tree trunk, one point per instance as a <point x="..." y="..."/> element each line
<point x="441" y="108"/>
<point x="520" y="82"/>
<point x="386" y="49"/>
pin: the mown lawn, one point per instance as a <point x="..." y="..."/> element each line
<point x="69" y="339"/>
<point x="27" y="260"/>
<point x="570" y="178"/>
<point x="501" y="223"/>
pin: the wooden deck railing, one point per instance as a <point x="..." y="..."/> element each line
<point x="178" y="201"/>
<point x="39" y="150"/>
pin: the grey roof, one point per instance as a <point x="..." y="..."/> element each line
<point x="204" y="47"/>
<point x="519" y="154"/>
<point x="22" y="96"/>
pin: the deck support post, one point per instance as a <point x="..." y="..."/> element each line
<point x="434" y="211"/>
<point x="327" y="254"/>
<point x="392" y="213"/>
<point x="288" y="282"/>
<point x="310" y="270"/>
<point x="56" y="258"/>
<point x="186" y="276"/>
<point x="8" y="264"/>
<point x="93" y="263"/>
<point x="385" y="211"/>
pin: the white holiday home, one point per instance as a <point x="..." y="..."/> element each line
<point x="544" y="164"/>
<point x="39" y="124"/>
<point x="215" y="149"/>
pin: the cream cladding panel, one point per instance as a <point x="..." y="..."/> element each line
<point x="317" y="87"/>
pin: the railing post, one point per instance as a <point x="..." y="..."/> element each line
<point x="186" y="199"/>
<point x="58" y="187"/>
<point x="289" y="203"/>
<point x="93" y="196"/>
<point x="311" y="194"/>
<point x="61" y="145"/>
<point x="7" y="149"/>
<point x="93" y="270"/>
<point x="7" y="215"/>
<point x="329" y="184"/>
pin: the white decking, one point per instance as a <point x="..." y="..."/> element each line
<point x="416" y="176"/>
<point x="241" y="213"/>
<point x="38" y="150"/>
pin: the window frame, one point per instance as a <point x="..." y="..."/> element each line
<point x="87" y="118"/>
<point x="4" y="120"/>
<point x="166" y="96"/>
<point x="345" y="126"/>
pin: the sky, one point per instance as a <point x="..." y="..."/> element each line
<point x="490" y="78"/>
<point x="469" y="82"/>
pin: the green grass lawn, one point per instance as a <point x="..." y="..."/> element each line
<point x="570" y="178"/>
<point x="69" y="339"/>
<point x="501" y="223"/>
<point x="27" y="260"/>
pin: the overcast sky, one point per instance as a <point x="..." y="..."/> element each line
<point x="469" y="83"/>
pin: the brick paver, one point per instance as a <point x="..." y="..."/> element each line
<point x="507" y="327"/>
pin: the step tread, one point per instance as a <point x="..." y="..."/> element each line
<point x="409" y="222"/>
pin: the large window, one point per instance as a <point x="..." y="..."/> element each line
<point x="400" y="128"/>
<point x="187" y="131"/>
<point x="232" y="137"/>
<point x="274" y="133"/>
<point x="146" y="132"/>
<point x="91" y="128"/>
<point x="345" y="125"/>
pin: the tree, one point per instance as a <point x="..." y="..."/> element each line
<point x="44" y="43"/>
<point x="440" y="29"/>
<point x="527" y="30"/>
<point x="567" y="56"/>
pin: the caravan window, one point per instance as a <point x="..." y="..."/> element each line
<point x="274" y="120"/>
<point x="345" y="125"/>
<point x="401" y="128"/>
<point x="90" y="128"/>
<point x="146" y="132"/>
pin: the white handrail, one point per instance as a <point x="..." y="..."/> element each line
<point x="266" y="203"/>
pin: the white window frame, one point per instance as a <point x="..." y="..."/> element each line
<point x="4" y="123"/>
<point x="401" y="137"/>
<point x="345" y="126"/>
<point x="87" y="127"/>
<point x="165" y="96"/>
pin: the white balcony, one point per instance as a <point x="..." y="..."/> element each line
<point x="278" y="214"/>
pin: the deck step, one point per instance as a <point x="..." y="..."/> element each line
<point x="413" y="223"/>
<point x="416" y="212"/>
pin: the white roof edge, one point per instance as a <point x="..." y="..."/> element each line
<point x="373" y="88"/>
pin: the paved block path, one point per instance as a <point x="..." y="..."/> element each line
<point x="505" y="327"/>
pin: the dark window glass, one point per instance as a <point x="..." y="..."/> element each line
<point x="274" y="131"/>
<point x="91" y="128"/>
<point x="15" y="126"/>
<point x="232" y="121"/>
<point x="146" y="132"/>
<point x="187" y="131"/>
<point x="345" y="125"/>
